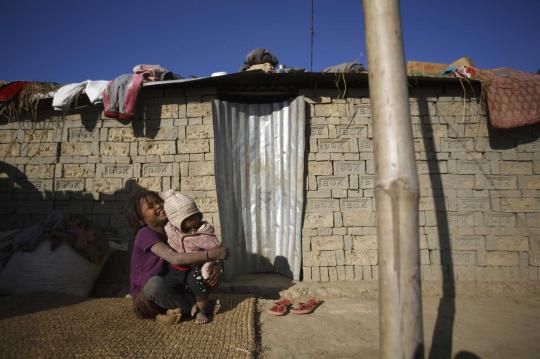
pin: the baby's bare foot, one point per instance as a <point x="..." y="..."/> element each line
<point x="171" y="316"/>
<point x="201" y="318"/>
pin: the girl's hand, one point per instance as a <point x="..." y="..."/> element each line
<point x="221" y="253"/>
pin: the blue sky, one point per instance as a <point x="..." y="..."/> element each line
<point x="70" y="41"/>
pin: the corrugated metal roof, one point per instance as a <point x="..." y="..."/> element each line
<point x="297" y="80"/>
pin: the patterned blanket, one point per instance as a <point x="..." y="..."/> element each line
<point x="513" y="97"/>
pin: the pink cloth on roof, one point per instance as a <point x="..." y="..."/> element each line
<point x="150" y="72"/>
<point x="202" y="239"/>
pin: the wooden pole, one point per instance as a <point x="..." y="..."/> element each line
<point x="396" y="186"/>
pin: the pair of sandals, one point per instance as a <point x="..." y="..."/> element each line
<point x="282" y="306"/>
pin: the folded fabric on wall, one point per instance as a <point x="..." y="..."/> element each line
<point x="120" y="96"/>
<point x="66" y="95"/>
<point x="513" y="97"/>
<point x="94" y="90"/>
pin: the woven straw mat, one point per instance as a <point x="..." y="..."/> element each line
<point x="57" y="326"/>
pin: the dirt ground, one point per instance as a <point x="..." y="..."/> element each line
<point x="486" y="326"/>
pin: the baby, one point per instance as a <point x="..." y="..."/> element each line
<point x="188" y="233"/>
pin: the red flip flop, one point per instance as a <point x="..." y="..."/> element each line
<point x="281" y="307"/>
<point x="307" y="307"/>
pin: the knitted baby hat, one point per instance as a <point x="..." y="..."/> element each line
<point x="178" y="207"/>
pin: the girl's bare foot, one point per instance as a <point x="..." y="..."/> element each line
<point x="201" y="318"/>
<point x="171" y="316"/>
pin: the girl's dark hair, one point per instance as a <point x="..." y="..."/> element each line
<point x="134" y="214"/>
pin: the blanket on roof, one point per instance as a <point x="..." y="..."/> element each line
<point x="9" y="91"/>
<point x="513" y="97"/>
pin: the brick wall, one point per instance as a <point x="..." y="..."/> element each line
<point x="84" y="163"/>
<point x="479" y="213"/>
<point x="479" y="216"/>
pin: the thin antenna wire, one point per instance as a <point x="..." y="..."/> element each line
<point x="312" y="34"/>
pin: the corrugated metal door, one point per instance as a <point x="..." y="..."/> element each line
<point x="260" y="184"/>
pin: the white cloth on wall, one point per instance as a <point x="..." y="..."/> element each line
<point x="94" y="90"/>
<point x="65" y="96"/>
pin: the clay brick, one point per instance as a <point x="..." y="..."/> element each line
<point x="361" y="257"/>
<point x="318" y="220"/>
<point x="473" y="204"/>
<point x="519" y="204"/>
<point x="120" y="134"/>
<point x="199" y="131"/>
<point x="453" y="257"/>
<point x="319" y="131"/>
<point x="351" y="131"/>
<point x="306" y="274"/>
<point x="11" y="150"/>
<point x="107" y="185"/>
<point x="516" y="168"/>
<point x="76" y="170"/>
<point x="194" y="146"/>
<point x="322" y="205"/>
<point x="327" y="243"/>
<point x="114" y="148"/>
<point x="488" y="274"/>
<point x="48" y="135"/>
<point x="39" y="149"/>
<point x="507" y="243"/>
<point x="332" y="182"/>
<point x="457" y="145"/>
<point x="39" y="171"/>
<point x="157" y="148"/>
<point x="356" y="219"/>
<point x="157" y="169"/>
<point x="76" y="149"/>
<point x="309" y="259"/>
<point x="499" y="258"/>
<point x="356" y="204"/>
<point x="465" y="273"/>
<point x="69" y="185"/>
<point x="330" y="110"/>
<point x="115" y="170"/>
<point x="7" y="136"/>
<point x="348" y="168"/>
<point x="319" y="168"/>
<point x="201" y="168"/>
<point x="328" y="145"/>
<point x="349" y="272"/>
<point x="315" y="274"/>
<point x="535" y="258"/>
<point x="200" y="183"/>
<point x="364" y="242"/>
<point x="465" y="243"/>
<point x="529" y="182"/>
<point x="327" y="258"/>
<point x="150" y="183"/>
<point x="199" y="109"/>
